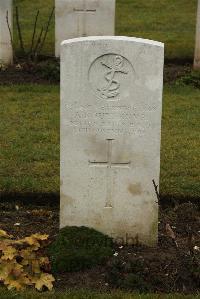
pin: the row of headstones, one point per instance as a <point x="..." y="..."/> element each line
<point x="111" y="103"/>
<point x="74" y="18"/>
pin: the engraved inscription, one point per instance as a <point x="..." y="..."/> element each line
<point x="109" y="165"/>
<point x="109" y="75"/>
<point x="110" y="118"/>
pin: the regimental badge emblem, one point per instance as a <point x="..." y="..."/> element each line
<point x="109" y="76"/>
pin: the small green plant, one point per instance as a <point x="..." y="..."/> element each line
<point x="137" y="282"/>
<point x="191" y="265"/>
<point x="128" y="274"/>
<point x="48" y="70"/>
<point x="22" y="262"/>
<point x="192" y="79"/>
<point x="78" y="248"/>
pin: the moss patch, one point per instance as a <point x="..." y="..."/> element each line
<point x="78" y="248"/>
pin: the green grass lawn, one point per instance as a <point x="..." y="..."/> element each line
<point x="180" y="155"/>
<point x="88" y="295"/>
<point x="169" y="21"/>
<point x="29" y="139"/>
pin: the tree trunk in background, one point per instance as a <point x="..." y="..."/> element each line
<point x="197" y="46"/>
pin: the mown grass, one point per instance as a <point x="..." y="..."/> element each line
<point x="169" y="21"/>
<point x="84" y="294"/>
<point x="29" y="140"/>
<point x="180" y="155"/>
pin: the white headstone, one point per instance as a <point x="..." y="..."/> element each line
<point x="76" y="18"/>
<point x="6" y="55"/>
<point x="111" y="103"/>
<point x="197" y="45"/>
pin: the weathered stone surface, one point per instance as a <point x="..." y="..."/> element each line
<point x="6" y="55"/>
<point x="197" y="44"/>
<point x="111" y="102"/>
<point x="76" y="18"/>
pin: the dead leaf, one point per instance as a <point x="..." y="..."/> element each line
<point x="35" y="266"/>
<point x="33" y="242"/>
<point x="44" y="280"/>
<point x="3" y="245"/>
<point x="40" y="237"/>
<point x="6" y="268"/>
<point x="13" y="284"/>
<point x="18" y="284"/>
<point x="28" y="255"/>
<point x="9" y="253"/>
<point x="45" y="264"/>
<point x="4" y="234"/>
<point x="41" y="212"/>
<point x="170" y="232"/>
<point x="21" y="264"/>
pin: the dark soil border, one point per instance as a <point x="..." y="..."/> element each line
<point x="168" y="267"/>
<point x="48" y="72"/>
<point x="52" y="199"/>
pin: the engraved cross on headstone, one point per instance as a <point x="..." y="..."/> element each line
<point x="109" y="165"/>
<point x="82" y="15"/>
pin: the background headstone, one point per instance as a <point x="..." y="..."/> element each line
<point x="111" y="103"/>
<point x="197" y="45"/>
<point x="6" y="53"/>
<point x="76" y="18"/>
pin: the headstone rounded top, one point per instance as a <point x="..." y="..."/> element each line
<point x="113" y="38"/>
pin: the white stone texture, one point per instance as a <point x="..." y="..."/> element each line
<point x="6" y="53"/>
<point x="197" y="45"/>
<point x="111" y="103"/>
<point x="77" y="18"/>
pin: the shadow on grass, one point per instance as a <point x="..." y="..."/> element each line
<point x="52" y="199"/>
